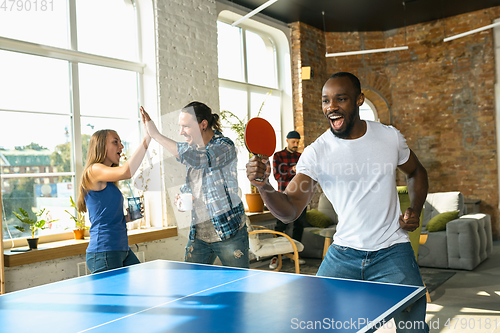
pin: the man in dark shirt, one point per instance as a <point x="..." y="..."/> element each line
<point x="284" y="170"/>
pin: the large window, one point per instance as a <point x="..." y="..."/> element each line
<point x="67" y="69"/>
<point x="248" y="83"/>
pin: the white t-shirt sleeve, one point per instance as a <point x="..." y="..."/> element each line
<point x="403" y="150"/>
<point x="307" y="163"/>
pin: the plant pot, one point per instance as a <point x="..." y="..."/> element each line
<point x="79" y="233"/>
<point x="32" y="243"/>
<point x="254" y="202"/>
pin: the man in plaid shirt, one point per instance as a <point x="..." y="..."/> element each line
<point x="218" y="217"/>
<point x="284" y="169"/>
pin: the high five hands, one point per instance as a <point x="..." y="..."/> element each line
<point x="148" y="123"/>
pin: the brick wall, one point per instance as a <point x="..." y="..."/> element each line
<point x="308" y="49"/>
<point x="439" y="95"/>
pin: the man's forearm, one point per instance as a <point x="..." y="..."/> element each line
<point x="418" y="186"/>
<point x="279" y="205"/>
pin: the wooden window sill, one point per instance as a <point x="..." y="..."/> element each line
<point x="73" y="247"/>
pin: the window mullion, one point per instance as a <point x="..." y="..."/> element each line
<point x="76" y="123"/>
<point x="72" y="25"/>
<point x="76" y="162"/>
<point x="245" y="69"/>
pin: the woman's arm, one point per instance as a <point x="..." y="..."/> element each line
<point x="102" y="173"/>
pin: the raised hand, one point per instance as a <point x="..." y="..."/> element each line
<point x="149" y="124"/>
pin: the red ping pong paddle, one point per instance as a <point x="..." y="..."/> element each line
<point x="260" y="138"/>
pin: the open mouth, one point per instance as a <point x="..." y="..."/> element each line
<point x="336" y="121"/>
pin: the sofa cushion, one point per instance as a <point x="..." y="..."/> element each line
<point x="275" y="246"/>
<point x="317" y="219"/>
<point x="469" y="241"/>
<point x="437" y="203"/>
<point x="434" y="253"/>
<point x="438" y="222"/>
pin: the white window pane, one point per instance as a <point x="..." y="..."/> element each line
<point x="36" y="21"/>
<point x="33" y="83"/>
<point x="230" y="56"/>
<point x="43" y="146"/>
<point x="128" y="130"/>
<point x="108" y="92"/>
<point x="260" y="60"/>
<point x="269" y="106"/>
<point x="234" y="101"/>
<point x="48" y="134"/>
<point x="34" y="194"/>
<point x="107" y="28"/>
<point x="366" y="112"/>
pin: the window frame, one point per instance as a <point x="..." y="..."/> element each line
<point x="73" y="58"/>
<point x="282" y="76"/>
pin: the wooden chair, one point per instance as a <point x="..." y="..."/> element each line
<point x="274" y="246"/>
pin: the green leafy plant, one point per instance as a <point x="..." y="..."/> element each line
<point x="79" y="218"/>
<point x="34" y="224"/>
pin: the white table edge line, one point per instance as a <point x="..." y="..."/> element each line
<point x="391" y="310"/>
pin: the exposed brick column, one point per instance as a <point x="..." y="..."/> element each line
<point x="308" y="49"/>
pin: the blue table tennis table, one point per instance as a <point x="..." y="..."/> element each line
<point x="168" y="296"/>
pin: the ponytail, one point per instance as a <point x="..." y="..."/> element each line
<point x="215" y="123"/>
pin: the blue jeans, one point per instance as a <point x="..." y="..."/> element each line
<point x="231" y="252"/>
<point x="103" y="261"/>
<point x="395" y="264"/>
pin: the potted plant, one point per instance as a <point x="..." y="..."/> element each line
<point x="34" y="225"/>
<point x="80" y="227"/>
<point x="236" y="124"/>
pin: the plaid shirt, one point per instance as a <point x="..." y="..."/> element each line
<point x="283" y="161"/>
<point x="219" y="183"/>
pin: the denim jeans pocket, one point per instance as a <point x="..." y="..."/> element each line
<point x="97" y="262"/>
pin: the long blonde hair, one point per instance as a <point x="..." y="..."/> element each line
<point x="96" y="154"/>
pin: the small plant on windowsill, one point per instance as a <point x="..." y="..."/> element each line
<point x="34" y="224"/>
<point x="79" y="219"/>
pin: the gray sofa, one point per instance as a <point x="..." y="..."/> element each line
<point x="466" y="242"/>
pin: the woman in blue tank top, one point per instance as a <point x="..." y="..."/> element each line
<point x="108" y="246"/>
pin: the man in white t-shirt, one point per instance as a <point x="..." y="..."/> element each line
<point x="355" y="162"/>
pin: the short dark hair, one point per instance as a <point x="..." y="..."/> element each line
<point x="354" y="79"/>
